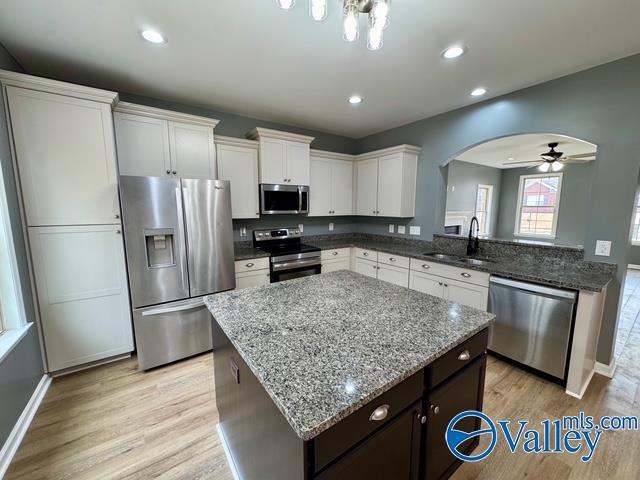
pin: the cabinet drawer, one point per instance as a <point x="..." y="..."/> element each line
<point x="335" y="253"/>
<point x="254" y="278"/>
<point x="454" y="273"/>
<point x="367" y="254"/>
<point x="457" y="358"/>
<point x="394" y="260"/>
<point x="357" y="426"/>
<point x="252" y="264"/>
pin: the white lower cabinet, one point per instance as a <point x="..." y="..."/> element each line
<point x="468" y="294"/>
<point x="395" y="275"/>
<point x="334" y="265"/>
<point x="82" y="293"/>
<point x="255" y="278"/>
<point x="366" y="267"/>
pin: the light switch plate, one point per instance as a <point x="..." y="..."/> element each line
<point x="331" y="226"/>
<point x="391" y="228"/>
<point x="603" y="248"/>
<point x="243" y="231"/>
<point x="414" y="230"/>
<point x="401" y="229"/>
<point x="301" y="227"/>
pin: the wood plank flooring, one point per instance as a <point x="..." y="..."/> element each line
<point x="114" y="422"/>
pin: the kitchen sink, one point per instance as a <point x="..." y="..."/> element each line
<point x="458" y="259"/>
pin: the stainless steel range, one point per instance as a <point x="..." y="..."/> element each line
<point x="290" y="258"/>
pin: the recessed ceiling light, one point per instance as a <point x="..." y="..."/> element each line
<point x="355" y="99"/>
<point x="454" y="51"/>
<point x="478" y="92"/>
<point x="153" y="36"/>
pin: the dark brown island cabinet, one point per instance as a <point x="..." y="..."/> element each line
<point x="407" y="444"/>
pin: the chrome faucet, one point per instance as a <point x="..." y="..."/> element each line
<point x="473" y="245"/>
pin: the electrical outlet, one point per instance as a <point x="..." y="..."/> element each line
<point x="603" y="248"/>
<point x="243" y="231"/>
<point x="414" y="230"/>
<point x="391" y="228"/>
<point x="401" y="229"/>
<point x="301" y="227"/>
<point x="331" y="226"/>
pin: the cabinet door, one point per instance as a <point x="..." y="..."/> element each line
<point x="335" y="265"/>
<point x="390" y="185"/>
<point x="425" y="283"/>
<point x="342" y="187"/>
<point x="297" y="166"/>
<point x="240" y="166"/>
<point x="467" y="294"/>
<point x="366" y="267"/>
<point x="367" y="187"/>
<point x="252" y="279"/>
<point x="193" y="153"/>
<point x="272" y="160"/>
<point x="464" y="391"/>
<point x="320" y="188"/>
<point x="395" y="275"/>
<point x="390" y="453"/>
<point x="66" y="158"/>
<point x="142" y="145"/>
<point x="82" y="293"/>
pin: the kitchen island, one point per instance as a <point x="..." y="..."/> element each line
<point x="343" y="376"/>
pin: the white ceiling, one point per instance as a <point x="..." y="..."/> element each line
<point x="252" y="58"/>
<point x="522" y="148"/>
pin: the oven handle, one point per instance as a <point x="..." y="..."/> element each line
<point x="309" y="262"/>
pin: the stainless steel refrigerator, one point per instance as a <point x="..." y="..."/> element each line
<point x="179" y="242"/>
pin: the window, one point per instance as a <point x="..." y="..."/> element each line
<point x="483" y="208"/>
<point x="635" y="229"/>
<point x="538" y="205"/>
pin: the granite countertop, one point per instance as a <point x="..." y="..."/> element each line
<point x="324" y="346"/>
<point x="569" y="273"/>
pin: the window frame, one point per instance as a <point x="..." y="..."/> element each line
<point x="487" y="219"/>
<point x="556" y="212"/>
<point x="634" y="227"/>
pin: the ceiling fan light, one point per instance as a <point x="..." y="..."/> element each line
<point x="286" y="4"/>
<point x="556" y="166"/>
<point x="350" y="22"/>
<point x="544" y="167"/>
<point x="318" y="9"/>
<point x="379" y="14"/>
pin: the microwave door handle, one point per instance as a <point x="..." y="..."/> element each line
<point x="299" y="199"/>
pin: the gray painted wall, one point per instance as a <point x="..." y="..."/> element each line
<point x="465" y="178"/>
<point x="22" y="369"/>
<point x="575" y="195"/>
<point x="600" y="105"/>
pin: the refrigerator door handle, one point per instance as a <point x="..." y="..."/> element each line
<point x="179" y="308"/>
<point x="184" y="247"/>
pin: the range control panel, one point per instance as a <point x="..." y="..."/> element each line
<point x="277" y="234"/>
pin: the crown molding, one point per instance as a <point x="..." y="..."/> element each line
<point x="332" y="155"/>
<point x="260" y="132"/>
<point x="153" y="112"/>
<point x="31" y="82"/>
<point x="410" y="149"/>
<point x="236" y="142"/>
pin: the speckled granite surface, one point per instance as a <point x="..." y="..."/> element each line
<point x="556" y="266"/>
<point x="325" y="345"/>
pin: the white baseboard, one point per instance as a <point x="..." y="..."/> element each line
<point x="14" y="440"/>
<point x="606" y="370"/>
<point x="227" y="451"/>
<point x="585" y="385"/>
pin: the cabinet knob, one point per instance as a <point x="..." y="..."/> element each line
<point x="464" y="356"/>
<point x="391" y="259"/>
<point x="466" y="275"/>
<point x="117" y="215"/>
<point x="435" y="409"/>
<point x="334" y="253"/>
<point x="379" y="413"/>
<point x="249" y="265"/>
<point x="425" y="266"/>
<point x="168" y="172"/>
<point x="365" y="254"/>
<point x="174" y="172"/>
<point x="118" y="231"/>
<point x="446" y="284"/>
<point x="440" y="283"/>
<point x="423" y="419"/>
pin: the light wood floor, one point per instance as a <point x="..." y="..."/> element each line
<point x="114" y="422"/>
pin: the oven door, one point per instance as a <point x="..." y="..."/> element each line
<point x="287" y="270"/>
<point x="283" y="199"/>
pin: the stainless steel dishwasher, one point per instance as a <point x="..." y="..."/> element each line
<point x="533" y="325"/>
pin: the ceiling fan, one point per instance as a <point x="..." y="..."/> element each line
<point x="555" y="160"/>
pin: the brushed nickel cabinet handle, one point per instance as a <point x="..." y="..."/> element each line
<point x="334" y="253"/>
<point x="365" y="254"/>
<point x="391" y="259"/>
<point x="249" y="265"/>
<point x="425" y="266"/>
<point x="379" y="413"/>
<point x="435" y="409"/>
<point x="464" y="356"/>
<point x="466" y="275"/>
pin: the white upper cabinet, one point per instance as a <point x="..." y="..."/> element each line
<point x="154" y="142"/>
<point x="284" y="156"/>
<point x="238" y="163"/>
<point x="331" y="187"/>
<point x="367" y="187"/>
<point x="143" y="145"/>
<point x="66" y="158"/>
<point x="386" y="182"/>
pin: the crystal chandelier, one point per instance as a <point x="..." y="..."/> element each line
<point x="376" y="10"/>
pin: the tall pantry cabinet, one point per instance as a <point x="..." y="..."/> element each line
<point x="64" y="154"/>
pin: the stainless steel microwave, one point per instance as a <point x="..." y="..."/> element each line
<point x="284" y="199"/>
